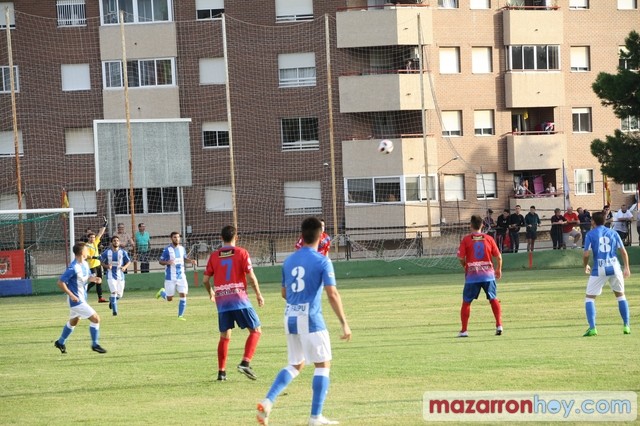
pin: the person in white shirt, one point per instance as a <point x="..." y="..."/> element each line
<point x="621" y="220"/>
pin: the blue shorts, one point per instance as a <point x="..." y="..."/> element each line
<point x="245" y="318"/>
<point x="472" y="290"/>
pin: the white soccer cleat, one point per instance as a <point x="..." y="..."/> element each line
<point x="263" y="411"/>
<point x="463" y="334"/>
<point x="321" y="420"/>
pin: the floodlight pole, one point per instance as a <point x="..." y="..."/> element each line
<point x="424" y="127"/>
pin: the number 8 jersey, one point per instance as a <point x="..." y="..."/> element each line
<point x="605" y="243"/>
<point x="304" y="274"/>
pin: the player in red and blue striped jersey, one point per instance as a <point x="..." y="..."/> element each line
<point x="73" y="282"/>
<point x="323" y="246"/>
<point x="475" y="254"/>
<point x="605" y="243"/>
<point x="230" y="266"/>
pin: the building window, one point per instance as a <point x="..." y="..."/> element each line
<point x="215" y="134"/>
<point x="212" y="71"/>
<point x="578" y="4"/>
<point x="627" y="4"/>
<point x="581" y="120"/>
<point x="135" y="11"/>
<point x="7" y="146"/>
<point x="294" y="10"/>
<point x="486" y="186"/>
<point x="584" y="181"/>
<point x="3" y="16"/>
<point x="6" y="79"/>
<point x="297" y="69"/>
<point x="453" y="187"/>
<point x="146" y="200"/>
<point x="629" y="188"/>
<point x="302" y="198"/>
<point x="533" y="57"/>
<point x="630" y="124"/>
<point x="84" y="203"/>
<point x="373" y="190"/>
<point x="451" y="123"/>
<point x="483" y="122"/>
<point x="580" y="58"/>
<point x="218" y="198"/>
<point x="623" y="58"/>
<point x="78" y="141"/>
<point x="299" y="134"/>
<point x="141" y="73"/>
<point x="448" y="4"/>
<point x="416" y="188"/>
<point x="449" y="60"/>
<point x="75" y="77"/>
<point x="209" y="9"/>
<point x="481" y="62"/>
<point x="71" y="13"/>
<point x="479" y="4"/>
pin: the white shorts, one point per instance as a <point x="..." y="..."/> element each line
<point x="82" y="310"/>
<point x="170" y="286"/>
<point x="116" y="286"/>
<point x="311" y="347"/>
<point x="595" y="284"/>
<point x="571" y="234"/>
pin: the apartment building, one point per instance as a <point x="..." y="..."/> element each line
<point x="477" y="96"/>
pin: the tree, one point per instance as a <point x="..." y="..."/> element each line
<point x="619" y="155"/>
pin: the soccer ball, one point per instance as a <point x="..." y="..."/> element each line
<point x="385" y="146"/>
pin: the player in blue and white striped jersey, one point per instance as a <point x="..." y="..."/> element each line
<point x="174" y="257"/>
<point x="605" y="243"/>
<point x="304" y="275"/>
<point x="74" y="283"/>
<point x="115" y="261"/>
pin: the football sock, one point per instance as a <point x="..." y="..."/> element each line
<point x="250" y="345"/>
<point x="114" y="304"/>
<point x="94" y="330"/>
<point x="497" y="311"/>
<point x="182" y="305"/>
<point x="320" y="386"/>
<point x="623" y="307"/>
<point x="465" y="312"/>
<point x="590" y="308"/>
<point x="66" y="332"/>
<point x="282" y="380"/>
<point x="223" y="348"/>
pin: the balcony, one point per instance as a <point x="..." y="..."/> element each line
<point x="532" y="26"/>
<point x="534" y="89"/>
<point x="388" y="26"/>
<point x="393" y="91"/>
<point x="536" y="150"/>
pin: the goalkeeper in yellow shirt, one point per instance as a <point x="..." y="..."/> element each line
<point x="93" y="244"/>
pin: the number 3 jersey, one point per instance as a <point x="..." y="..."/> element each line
<point x="304" y="274"/>
<point x="229" y="267"/>
<point x="605" y="243"/>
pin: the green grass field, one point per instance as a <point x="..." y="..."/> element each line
<point x="162" y="371"/>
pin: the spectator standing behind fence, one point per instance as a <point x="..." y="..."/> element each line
<point x="532" y="220"/>
<point x="557" y="222"/>
<point x="621" y="222"/>
<point x="126" y="242"/>
<point x="608" y="216"/>
<point x="568" y="229"/>
<point x="143" y="244"/>
<point x="502" y="224"/>
<point x="516" y="220"/>
<point x="489" y="224"/>
<point x="585" y="222"/>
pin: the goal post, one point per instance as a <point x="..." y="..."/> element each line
<point x="35" y="242"/>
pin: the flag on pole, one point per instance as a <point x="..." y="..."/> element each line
<point x="565" y="186"/>
<point x="607" y="191"/>
<point x="65" y="199"/>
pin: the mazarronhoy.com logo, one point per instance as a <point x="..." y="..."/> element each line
<point x="544" y="406"/>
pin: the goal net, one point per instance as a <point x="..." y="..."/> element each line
<point x="263" y="132"/>
<point x="41" y="237"/>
